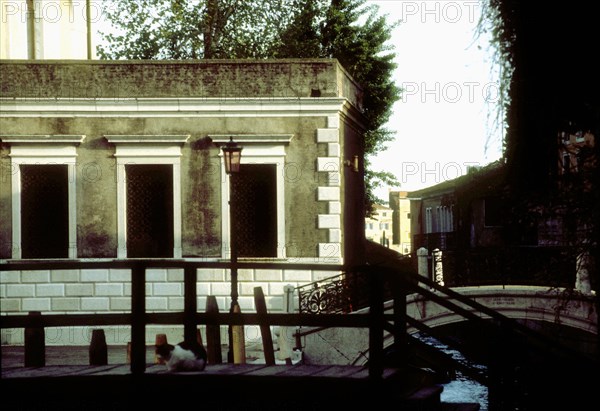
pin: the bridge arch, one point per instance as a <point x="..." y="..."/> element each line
<point x="554" y="305"/>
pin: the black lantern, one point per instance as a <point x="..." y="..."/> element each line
<point x="232" y="154"/>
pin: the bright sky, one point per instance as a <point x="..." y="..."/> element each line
<point x="441" y="123"/>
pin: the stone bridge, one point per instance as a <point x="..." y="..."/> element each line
<point x="555" y="305"/>
<point x="534" y="303"/>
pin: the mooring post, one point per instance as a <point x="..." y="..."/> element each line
<point x="160" y="339"/>
<point x="238" y="340"/>
<point x="98" y="348"/>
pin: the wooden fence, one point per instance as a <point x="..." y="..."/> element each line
<point x="138" y="318"/>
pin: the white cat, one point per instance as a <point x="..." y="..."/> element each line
<point x="183" y="356"/>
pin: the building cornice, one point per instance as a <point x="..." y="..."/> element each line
<point x="170" y="107"/>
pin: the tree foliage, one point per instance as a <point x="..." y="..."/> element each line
<point x="553" y="87"/>
<point x="181" y="29"/>
<point x="348" y="30"/>
<point x="330" y="29"/>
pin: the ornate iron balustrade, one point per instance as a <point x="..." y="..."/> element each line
<point x="330" y="295"/>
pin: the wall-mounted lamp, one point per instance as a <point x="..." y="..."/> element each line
<point x="353" y="164"/>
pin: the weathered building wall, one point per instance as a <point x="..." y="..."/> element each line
<point x="203" y="78"/>
<point x="313" y="102"/>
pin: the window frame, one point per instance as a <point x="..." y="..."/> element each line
<point x="147" y="150"/>
<point x="257" y="149"/>
<point x="43" y="149"/>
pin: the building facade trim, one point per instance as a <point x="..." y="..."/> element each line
<point x="147" y="149"/>
<point x="43" y="149"/>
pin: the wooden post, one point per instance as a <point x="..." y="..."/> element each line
<point x="138" y="320"/>
<point x="239" y="340"/>
<point x="265" y="329"/>
<point x="98" y="348"/>
<point x="400" y="331"/>
<point x="213" y="333"/>
<point x="199" y="337"/>
<point x="128" y="355"/>
<point x="160" y="339"/>
<point x="285" y="333"/>
<point x="190" y="304"/>
<point x="375" y="325"/>
<point x="35" y="344"/>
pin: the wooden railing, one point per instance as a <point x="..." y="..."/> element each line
<point x="190" y="318"/>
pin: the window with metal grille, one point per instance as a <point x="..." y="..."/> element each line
<point x="44" y="211"/>
<point x="149" y="210"/>
<point x="254" y="191"/>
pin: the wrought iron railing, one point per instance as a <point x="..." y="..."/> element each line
<point x="330" y="295"/>
<point x="343" y="293"/>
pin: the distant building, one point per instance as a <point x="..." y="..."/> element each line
<point x="47" y="29"/>
<point x="461" y="213"/>
<point x="378" y="227"/>
<point x="574" y="152"/>
<point x="401" y="216"/>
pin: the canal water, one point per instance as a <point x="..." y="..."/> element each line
<point x="461" y="388"/>
<point x="532" y="381"/>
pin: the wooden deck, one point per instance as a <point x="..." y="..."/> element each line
<point x="218" y="387"/>
<point x="211" y="371"/>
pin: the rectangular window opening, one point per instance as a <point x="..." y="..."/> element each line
<point x="149" y="210"/>
<point x="44" y="211"/>
<point x="254" y="193"/>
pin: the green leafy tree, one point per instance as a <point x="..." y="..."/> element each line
<point x="182" y="29"/>
<point x="333" y="29"/>
<point x="348" y="30"/>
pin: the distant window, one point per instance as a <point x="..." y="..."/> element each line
<point x="384" y="214"/>
<point x="493" y="212"/>
<point x="446" y="219"/>
<point x="428" y="221"/>
<point x="408" y="216"/>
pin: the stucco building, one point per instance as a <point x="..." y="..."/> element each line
<point x="121" y="159"/>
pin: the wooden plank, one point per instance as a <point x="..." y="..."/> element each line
<point x="155" y="369"/>
<point x="121" y="369"/>
<point x="303" y="370"/>
<point x="216" y="368"/>
<point x="269" y="371"/>
<point x="239" y="369"/>
<point x="340" y="371"/>
<point x="213" y="333"/>
<point x="52" y="371"/>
